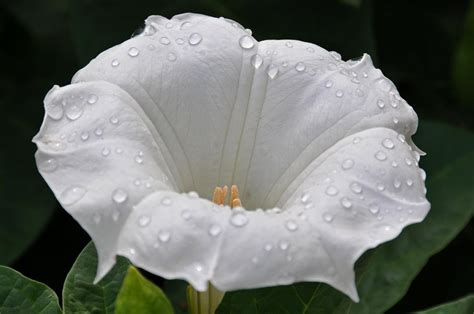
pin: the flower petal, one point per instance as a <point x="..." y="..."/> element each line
<point x="187" y="74"/>
<point x="350" y="199"/>
<point x="97" y="152"/>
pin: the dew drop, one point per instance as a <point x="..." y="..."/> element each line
<point x="105" y="152"/>
<point x="54" y="110"/>
<point x="215" y="230"/>
<point x="239" y="219"/>
<point x="84" y="136"/>
<point x="310" y="49"/>
<point x="388" y="143"/>
<point x="409" y="182"/>
<point x="195" y="39"/>
<point x="138" y="159"/>
<point x="401" y="138"/>
<point x="289" y="44"/>
<point x="72" y="195"/>
<point x="408" y="161"/>
<point x="394" y="164"/>
<point x="165" y="40"/>
<point x="119" y="196"/>
<point x="359" y="92"/>
<point x="115" y="63"/>
<point x="291" y="225"/>
<point x="356" y="187"/>
<point x="246" y="42"/>
<point x="347" y="164"/>
<point x="335" y="55"/>
<point x="374" y="209"/>
<point x="328" y="84"/>
<point x="356" y="140"/>
<point x="144" y="220"/>
<point x="171" y="57"/>
<point x="114" y="120"/>
<point x="166" y="201"/>
<point x="380" y="186"/>
<point x="164" y="236"/>
<point x="305" y="197"/>
<point x="268" y="247"/>
<point x="397" y="183"/>
<point x="186" y="214"/>
<point x="332" y="190"/>
<point x="300" y="67"/>
<point x="339" y="93"/>
<point x="92" y="99"/>
<point x="48" y="165"/>
<point x="380" y="155"/>
<point x="284" y="245"/>
<point x="179" y="41"/>
<point x="346" y="203"/>
<point x="272" y="71"/>
<point x="149" y="30"/>
<point x="133" y="52"/>
<point x="256" y="61"/>
<point x="328" y="217"/>
<point x="380" y="103"/>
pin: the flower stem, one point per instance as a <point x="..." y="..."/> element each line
<point x="204" y="302"/>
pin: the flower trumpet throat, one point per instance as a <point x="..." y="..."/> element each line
<point x="208" y="301"/>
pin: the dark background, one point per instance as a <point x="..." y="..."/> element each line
<point x="425" y="47"/>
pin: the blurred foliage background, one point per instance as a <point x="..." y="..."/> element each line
<point x="425" y="47"/>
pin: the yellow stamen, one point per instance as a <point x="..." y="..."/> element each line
<point x="208" y="301"/>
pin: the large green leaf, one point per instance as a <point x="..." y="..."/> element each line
<point x="461" y="306"/>
<point x="138" y="295"/>
<point x="19" y="294"/>
<point x="80" y="295"/>
<point x="463" y="68"/>
<point x="385" y="273"/>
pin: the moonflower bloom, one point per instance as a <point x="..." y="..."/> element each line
<point x="319" y="148"/>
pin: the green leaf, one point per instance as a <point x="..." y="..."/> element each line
<point x="461" y="306"/>
<point x="176" y="292"/>
<point x="19" y="294"/>
<point x="80" y="295"/>
<point x="463" y="68"/>
<point x="385" y="273"/>
<point x="138" y="295"/>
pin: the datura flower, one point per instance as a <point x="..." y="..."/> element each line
<point x="319" y="148"/>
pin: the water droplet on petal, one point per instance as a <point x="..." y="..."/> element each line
<point x="164" y="236"/>
<point x="291" y="225"/>
<point x="339" y="93"/>
<point x="84" y="136"/>
<point x="388" y="143"/>
<point x="239" y="219"/>
<point x="328" y="84"/>
<point x="335" y="55"/>
<point x="92" y="99"/>
<point x="185" y="25"/>
<point x="289" y="44"/>
<point x="305" y="197"/>
<point x="401" y="138"/>
<point x="255" y="260"/>
<point x="256" y="61"/>
<point x="408" y="161"/>
<point x="409" y="182"/>
<point x="115" y="63"/>
<point x="380" y="103"/>
<point x="332" y="190"/>
<point x="300" y="67"/>
<point x="144" y="220"/>
<point x="105" y="152"/>
<point x="166" y="201"/>
<point x="356" y="140"/>
<point x="284" y="245"/>
<point x="347" y="164"/>
<point x="328" y="217"/>
<point x="48" y="165"/>
<point x="72" y="195"/>
<point x="380" y="155"/>
<point x="246" y="42"/>
<point x="119" y="196"/>
<point x="54" y="110"/>
<point x="138" y="159"/>
<point x="114" y="120"/>
<point x="133" y="52"/>
<point x="396" y="183"/>
<point x="356" y="187"/>
<point x="359" y="92"/>
<point x="165" y="40"/>
<point x="374" y="209"/>
<point x="179" y="41"/>
<point x="215" y="230"/>
<point x="272" y="71"/>
<point x="346" y="202"/>
<point x="186" y="214"/>
<point x="268" y="247"/>
<point x="380" y="186"/>
<point x="195" y="39"/>
<point x="149" y="30"/>
<point x="394" y="164"/>
<point x="171" y="56"/>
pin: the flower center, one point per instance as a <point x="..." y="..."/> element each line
<point x="220" y="196"/>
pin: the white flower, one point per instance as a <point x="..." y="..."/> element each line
<point x="322" y="145"/>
